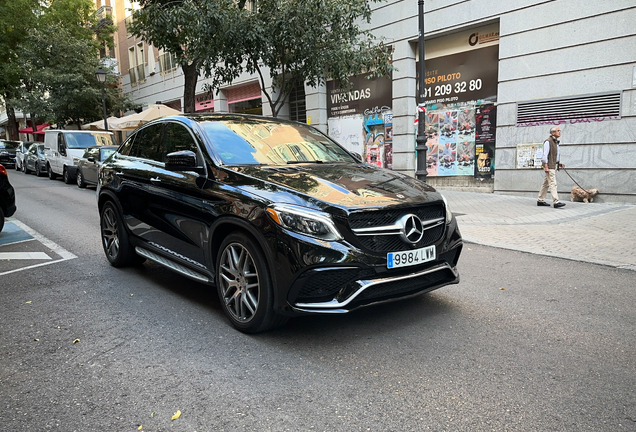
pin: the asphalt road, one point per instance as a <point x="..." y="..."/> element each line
<point x="523" y="343"/>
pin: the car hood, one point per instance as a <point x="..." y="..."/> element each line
<point x="346" y="186"/>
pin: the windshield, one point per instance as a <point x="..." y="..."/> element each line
<point x="106" y="153"/>
<point x="85" y="140"/>
<point x="265" y="142"/>
<point x="9" y="144"/>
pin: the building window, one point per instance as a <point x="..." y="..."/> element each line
<point x="167" y="62"/>
<point x="297" y="104"/>
<point x="137" y="70"/>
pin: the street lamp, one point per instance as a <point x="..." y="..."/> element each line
<point x="101" y="77"/>
<point x="421" y="148"/>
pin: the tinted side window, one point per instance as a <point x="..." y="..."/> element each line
<point x="150" y="145"/>
<point x="128" y="145"/>
<point x="178" y="138"/>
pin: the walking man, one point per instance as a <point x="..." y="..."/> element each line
<point x="551" y="161"/>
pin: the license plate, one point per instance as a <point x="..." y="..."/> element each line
<point x="410" y="258"/>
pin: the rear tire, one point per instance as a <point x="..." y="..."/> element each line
<point x="244" y="285"/>
<point x="1" y="219"/>
<point x="25" y="169"/>
<point x="66" y="176"/>
<point x="115" y="240"/>
<point x="52" y="175"/>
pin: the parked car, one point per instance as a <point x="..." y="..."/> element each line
<point x="275" y="214"/>
<point x="35" y="160"/>
<point x="20" y="154"/>
<point x="88" y="165"/>
<point x="7" y="152"/>
<point x="7" y="197"/>
<point x="64" y="148"/>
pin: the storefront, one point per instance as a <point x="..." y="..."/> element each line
<point x="245" y="99"/>
<point x="360" y="118"/>
<point x="461" y="95"/>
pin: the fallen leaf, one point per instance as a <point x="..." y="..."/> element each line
<point x="140" y="427"/>
<point x="503" y="289"/>
<point x="152" y="414"/>
<point x="176" y="415"/>
<point x="131" y="295"/>
<point x="76" y="341"/>
<point x="37" y="340"/>
<point x="29" y="302"/>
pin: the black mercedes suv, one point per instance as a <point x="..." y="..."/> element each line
<point x="275" y="214"/>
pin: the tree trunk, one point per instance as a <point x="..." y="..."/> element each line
<point x="33" y="124"/>
<point x="12" y="129"/>
<point x="191" y="75"/>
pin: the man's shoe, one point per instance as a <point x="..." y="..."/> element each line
<point x="559" y="205"/>
<point x="543" y="204"/>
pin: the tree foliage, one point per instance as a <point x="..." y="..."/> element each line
<point x="52" y="71"/>
<point x="309" y="41"/>
<point x="195" y="31"/>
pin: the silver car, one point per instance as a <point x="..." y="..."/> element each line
<point x="88" y="165"/>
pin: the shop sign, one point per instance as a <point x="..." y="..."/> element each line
<point x="466" y="76"/>
<point x="362" y="97"/>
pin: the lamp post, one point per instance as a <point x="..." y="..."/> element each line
<point x="101" y="77"/>
<point x="421" y="148"/>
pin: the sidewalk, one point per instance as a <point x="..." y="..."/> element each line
<point x="601" y="233"/>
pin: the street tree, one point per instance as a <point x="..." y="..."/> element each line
<point x="196" y="32"/>
<point x="58" y="60"/>
<point x="16" y="18"/>
<point x="308" y="41"/>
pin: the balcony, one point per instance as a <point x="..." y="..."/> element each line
<point x="137" y="75"/>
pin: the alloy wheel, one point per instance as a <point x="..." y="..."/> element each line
<point x="110" y="233"/>
<point x="240" y="287"/>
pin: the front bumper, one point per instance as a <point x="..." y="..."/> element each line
<point x="343" y="278"/>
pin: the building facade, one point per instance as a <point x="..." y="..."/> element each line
<point x="499" y="75"/>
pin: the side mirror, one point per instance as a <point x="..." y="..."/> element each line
<point x="357" y="156"/>
<point x="90" y="159"/>
<point x="185" y="160"/>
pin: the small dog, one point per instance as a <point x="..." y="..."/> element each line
<point x="584" y="195"/>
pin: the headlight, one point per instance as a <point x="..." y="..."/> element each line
<point x="304" y="221"/>
<point x="4" y="153"/>
<point x="449" y="214"/>
<point x="76" y="161"/>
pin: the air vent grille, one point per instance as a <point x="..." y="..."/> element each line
<point x="597" y="106"/>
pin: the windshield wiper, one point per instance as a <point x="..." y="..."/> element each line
<point x="299" y="162"/>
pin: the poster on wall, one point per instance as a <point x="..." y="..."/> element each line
<point x="370" y="101"/>
<point x="529" y="155"/>
<point x="485" y="133"/>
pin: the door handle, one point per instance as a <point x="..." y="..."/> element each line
<point x="155" y="180"/>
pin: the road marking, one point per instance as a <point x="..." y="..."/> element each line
<point x="23" y="256"/>
<point x="54" y="247"/>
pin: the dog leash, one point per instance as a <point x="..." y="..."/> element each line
<point x="566" y="171"/>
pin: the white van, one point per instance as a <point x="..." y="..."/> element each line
<point x="64" y="148"/>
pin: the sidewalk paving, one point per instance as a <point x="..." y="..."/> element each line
<point x="601" y="233"/>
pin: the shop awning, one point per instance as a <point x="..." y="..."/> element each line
<point x="40" y="129"/>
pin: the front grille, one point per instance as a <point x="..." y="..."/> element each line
<point x="393" y="243"/>
<point x="405" y="287"/>
<point x="326" y="284"/>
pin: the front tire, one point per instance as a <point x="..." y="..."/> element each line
<point x="25" y="169"/>
<point x="115" y="241"/>
<point x="1" y="219"/>
<point x="244" y="286"/>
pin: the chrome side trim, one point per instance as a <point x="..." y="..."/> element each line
<point x="366" y="284"/>
<point x="395" y="229"/>
<point x="172" y="265"/>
